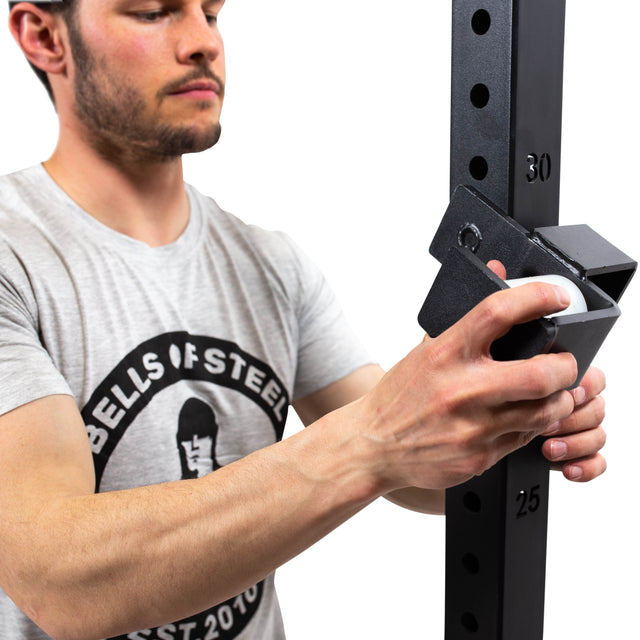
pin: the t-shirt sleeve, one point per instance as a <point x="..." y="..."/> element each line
<point x="27" y="372"/>
<point x="328" y="348"/>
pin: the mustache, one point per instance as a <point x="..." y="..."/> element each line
<point x="197" y="74"/>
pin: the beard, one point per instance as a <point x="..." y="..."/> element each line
<point x="115" y="113"/>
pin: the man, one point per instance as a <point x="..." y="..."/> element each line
<point x="135" y="312"/>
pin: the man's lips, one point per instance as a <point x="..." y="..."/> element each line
<point x="202" y="89"/>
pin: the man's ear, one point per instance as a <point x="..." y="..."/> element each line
<point x="38" y="33"/>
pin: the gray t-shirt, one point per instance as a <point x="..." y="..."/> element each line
<point x="181" y="358"/>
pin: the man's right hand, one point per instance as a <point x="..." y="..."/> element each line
<point x="448" y="411"/>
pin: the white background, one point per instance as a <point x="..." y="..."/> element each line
<point x="336" y="128"/>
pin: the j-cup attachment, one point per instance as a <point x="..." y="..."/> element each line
<point x="474" y="231"/>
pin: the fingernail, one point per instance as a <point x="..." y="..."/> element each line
<point x="579" y="395"/>
<point x="563" y="294"/>
<point x="574" y="472"/>
<point x="558" y="450"/>
<point x="551" y="429"/>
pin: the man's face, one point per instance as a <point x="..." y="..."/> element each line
<point x="148" y="76"/>
<point x="198" y="453"/>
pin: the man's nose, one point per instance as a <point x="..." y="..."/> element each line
<point x="198" y="40"/>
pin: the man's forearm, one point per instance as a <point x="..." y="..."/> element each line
<point x="420" y="500"/>
<point x="143" y="557"/>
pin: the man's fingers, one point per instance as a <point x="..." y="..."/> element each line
<point x="494" y="316"/>
<point x="592" y="384"/>
<point x="533" y="379"/>
<point x="583" y="470"/>
<point x="534" y="416"/>
<point x="498" y="268"/>
<point x="575" y="446"/>
<point x="586" y="417"/>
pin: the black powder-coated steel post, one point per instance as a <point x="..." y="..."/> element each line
<point x="507" y="68"/>
<point x="506" y="104"/>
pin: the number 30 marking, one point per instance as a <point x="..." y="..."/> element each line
<point x="539" y="167"/>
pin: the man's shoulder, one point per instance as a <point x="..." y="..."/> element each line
<point x="35" y="174"/>
<point x="21" y="191"/>
<point x="270" y="242"/>
<point x="25" y="246"/>
<point x="251" y="249"/>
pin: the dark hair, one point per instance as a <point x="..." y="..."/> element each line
<point x="64" y="8"/>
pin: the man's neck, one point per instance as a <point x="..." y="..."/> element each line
<point x="144" y="200"/>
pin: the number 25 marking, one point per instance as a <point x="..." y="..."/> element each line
<point x="528" y="501"/>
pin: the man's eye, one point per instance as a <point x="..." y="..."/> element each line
<point x="157" y="15"/>
<point x="150" y="16"/>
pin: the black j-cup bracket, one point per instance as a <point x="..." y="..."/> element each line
<point x="506" y="107"/>
<point x="474" y="231"/>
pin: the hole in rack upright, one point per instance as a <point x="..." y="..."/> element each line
<point x="471" y="563"/>
<point x="472" y="502"/>
<point x="469" y="622"/>
<point x="481" y="22"/>
<point x="479" y="96"/>
<point x="478" y="168"/>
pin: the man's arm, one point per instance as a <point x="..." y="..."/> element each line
<point x="349" y="389"/>
<point x="573" y="446"/>
<point x="84" y="565"/>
